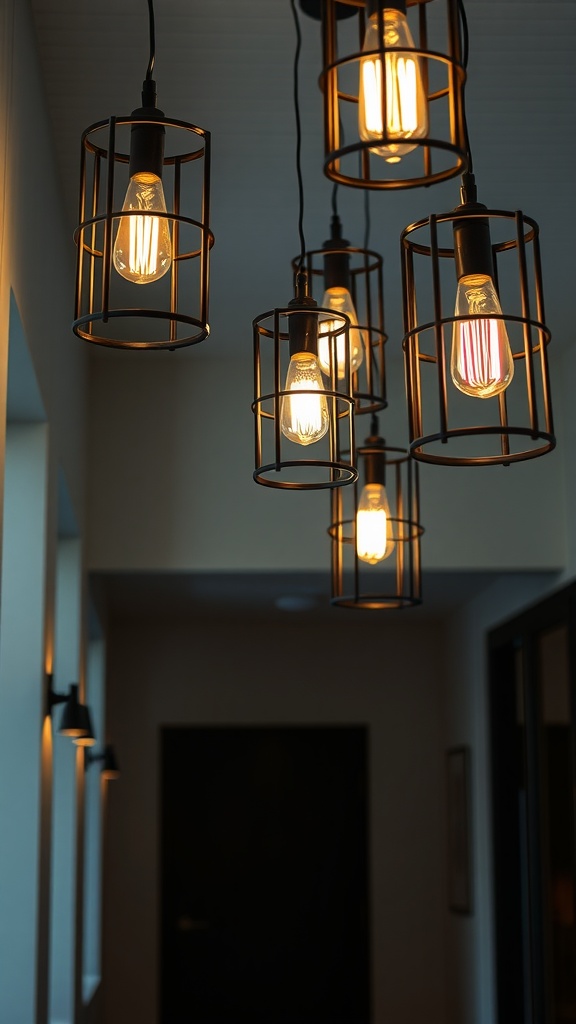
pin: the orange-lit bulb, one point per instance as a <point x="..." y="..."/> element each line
<point x="374" y="529"/>
<point x="143" y="247"/>
<point x="340" y="300"/>
<point x="481" y="364"/>
<point x="304" y="416"/>
<point x="406" y="115"/>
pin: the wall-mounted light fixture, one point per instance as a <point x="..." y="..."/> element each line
<point x="393" y="114"/>
<point x="143" y="237"/>
<point x="75" y="720"/>
<point x="107" y="758"/>
<point x="375" y="531"/>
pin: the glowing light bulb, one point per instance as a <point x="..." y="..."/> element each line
<point x="374" y="535"/>
<point x="481" y="363"/>
<point x="406" y="102"/>
<point x="340" y="300"/>
<point x="143" y="247"/>
<point x="304" y="414"/>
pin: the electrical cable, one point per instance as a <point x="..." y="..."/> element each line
<point x="298" y="136"/>
<point x="465" y="54"/>
<point x="152" y="33"/>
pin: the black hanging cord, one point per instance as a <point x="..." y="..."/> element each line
<point x="465" y="53"/>
<point x="152" y="32"/>
<point x="335" y="199"/>
<point x="298" y="136"/>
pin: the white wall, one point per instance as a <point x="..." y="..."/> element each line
<point x="171" y="459"/>
<point x="249" y="671"/>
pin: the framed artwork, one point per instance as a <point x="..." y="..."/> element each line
<point x="459" y="830"/>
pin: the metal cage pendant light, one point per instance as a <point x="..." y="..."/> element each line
<point x="405" y="124"/>
<point x="300" y="401"/>
<point x="375" y="531"/>
<point x="302" y="377"/>
<point x="351" y="279"/>
<point x="474" y="274"/>
<point x="144" y="212"/>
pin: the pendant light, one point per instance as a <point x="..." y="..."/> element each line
<point x="302" y="393"/>
<point x="351" y="279"/>
<point x="375" y="531"/>
<point x="486" y="399"/>
<point x="143" y="238"/>
<point x="397" y="99"/>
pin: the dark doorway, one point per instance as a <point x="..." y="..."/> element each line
<point x="265" y="876"/>
<point x="533" y="726"/>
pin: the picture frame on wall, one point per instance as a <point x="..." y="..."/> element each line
<point x="459" y="839"/>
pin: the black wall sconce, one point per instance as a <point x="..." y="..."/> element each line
<point x="107" y="758"/>
<point x="75" y="720"/>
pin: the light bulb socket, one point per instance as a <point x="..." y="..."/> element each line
<point x="373" y="6"/>
<point x="375" y="461"/>
<point x="472" y="244"/>
<point x="147" y="142"/>
<point x="336" y="263"/>
<point x="303" y="325"/>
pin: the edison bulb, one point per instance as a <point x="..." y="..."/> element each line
<point x="374" y="534"/>
<point x="481" y="363"/>
<point x="406" y="102"/>
<point x="340" y="300"/>
<point x="304" y="414"/>
<point x="143" y="247"/>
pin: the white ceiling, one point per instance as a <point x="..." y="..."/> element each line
<point x="227" y="66"/>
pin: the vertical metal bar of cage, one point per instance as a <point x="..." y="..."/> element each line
<point x="381" y="330"/>
<point x="81" y="215"/>
<point x="107" y="247"/>
<point x="205" y="253"/>
<point x="365" y="151"/>
<point x="333" y="424"/>
<point x="539" y="296"/>
<point x="331" y="120"/>
<point x="414" y="503"/>
<point x="91" y="279"/>
<point x="355" y="559"/>
<point x="410" y="358"/>
<point x="382" y="50"/>
<point x="336" y="542"/>
<point x="400" y="542"/>
<point x="257" y="397"/>
<point x="277" y="389"/>
<point x="455" y="111"/>
<point x="439" y="330"/>
<point x="174" y="276"/>
<point x="502" y="403"/>
<point x="423" y="45"/>
<point x="525" y="298"/>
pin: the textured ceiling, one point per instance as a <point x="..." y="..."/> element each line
<point x="227" y="66"/>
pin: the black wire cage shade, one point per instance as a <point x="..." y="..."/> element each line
<point x="303" y="410"/>
<point x="378" y="567"/>
<point x="402" y="127"/>
<point x="351" y="278"/>
<point x="475" y="339"/>
<point x="172" y="310"/>
<point x="143" y="238"/>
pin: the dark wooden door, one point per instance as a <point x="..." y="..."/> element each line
<point x="264" y="876"/>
